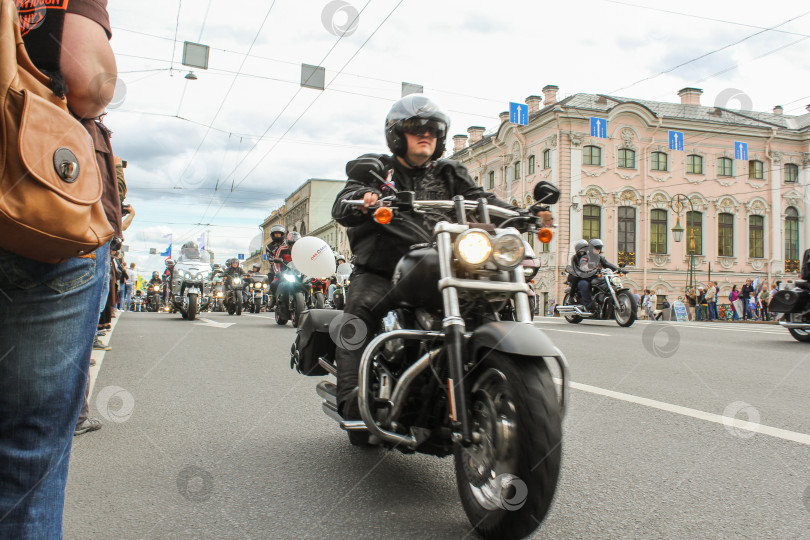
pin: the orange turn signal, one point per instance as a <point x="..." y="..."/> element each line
<point x="545" y="235"/>
<point x="383" y="215"/>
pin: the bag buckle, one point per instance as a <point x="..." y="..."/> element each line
<point x="66" y="165"/>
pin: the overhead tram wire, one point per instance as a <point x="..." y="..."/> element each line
<point x="281" y="112"/>
<point x="312" y="103"/>
<point x="669" y="70"/>
<point x="228" y="93"/>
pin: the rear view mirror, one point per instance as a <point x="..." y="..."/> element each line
<point x="546" y="193"/>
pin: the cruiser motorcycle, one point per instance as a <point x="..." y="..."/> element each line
<point x="233" y="298"/>
<point x="255" y="291"/>
<point x="792" y="306"/>
<point x="190" y="287"/>
<point x="444" y="375"/>
<point x="611" y="299"/>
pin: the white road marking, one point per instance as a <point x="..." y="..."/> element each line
<point x="801" y="438"/>
<point x="576" y="332"/>
<point x="758" y="329"/>
<point x="209" y="322"/>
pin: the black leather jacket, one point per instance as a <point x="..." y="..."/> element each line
<point x="377" y="248"/>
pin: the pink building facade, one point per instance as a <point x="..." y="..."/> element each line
<point x="743" y="216"/>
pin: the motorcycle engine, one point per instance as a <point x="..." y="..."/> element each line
<point x="394" y="348"/>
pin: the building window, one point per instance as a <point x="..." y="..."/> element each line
<point x="547" y="159"/>
<point x="756" y="237"/>
<point x="658" y="231"/>
<point x="791" y="173"/>
<point x="725" y="235"/>
<point x="724" y="166"/>
<point x="791" y="240"/>
<point x="755" y="169"/>
<point x="627" y="158"/>
<point x="694" y="225"/>
<point x="491" y="179"/>
<point x="591" y="221"/>
<point x="531" y="164"/>
<point x="694" y="164"/>
<point x="591" y="155"/>
<point x="659" y="161"/>
<point x="517" y="170"/>
<point x="627" y="235"/>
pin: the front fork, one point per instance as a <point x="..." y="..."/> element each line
<point x="454" y="345"/>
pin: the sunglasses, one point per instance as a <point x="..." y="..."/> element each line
<point x="420" y="126"/>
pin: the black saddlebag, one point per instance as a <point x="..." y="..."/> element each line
<point x="313" y="342"/>
<point x="789" y="301"/>
<point x="806" y="265"/>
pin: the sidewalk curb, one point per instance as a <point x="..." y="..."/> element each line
<point x="98" y="356"/>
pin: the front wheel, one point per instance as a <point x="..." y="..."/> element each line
<point x="797" y="333"/>
<point x="299" y="305"/>
<point x="238" y="298"/>
<point x="192" y="306"/>
<point x="625" y="314"/>
<point x="569" y="301"/>
<point x="507" y="479"/>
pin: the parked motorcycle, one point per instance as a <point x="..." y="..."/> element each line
<point x="444" y="375"/>
<point x="191" y="288"/>
<point x="291" y="294"/>
<point x="610" y="298"/>
<point x="255" y="290"/>
<point x="792" y="306"/>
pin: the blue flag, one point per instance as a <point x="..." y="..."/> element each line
<point x="201" y="241"/>
<point x="168" y="252"/>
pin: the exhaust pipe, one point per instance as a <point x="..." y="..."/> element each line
<point x="795" y="326"/>
<point x="574" y="310"/>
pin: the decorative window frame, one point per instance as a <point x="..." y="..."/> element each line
<point x="628" y="135"/>
<point x="757" y="207"/>
<point x="695" y="178"/>
<point x="594" y="170"/>
<point x="717" y="178"/>
<point x="660" y="176"/>
<point x="702" y="205"/>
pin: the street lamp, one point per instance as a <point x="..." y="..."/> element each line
<point x="677" y="205"/>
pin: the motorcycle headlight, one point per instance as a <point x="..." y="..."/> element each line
<point x="237" y="281"/>
<point x="530" y="271"/>
<point x="473" y="247"/>
<point x="219" y="295"/>
<point x="289" y="277"/>
<point x="508" y="251"/>
<point x="264" y="285"/>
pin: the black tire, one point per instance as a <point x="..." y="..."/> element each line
<point x="569" y="301"/>
<point x="518" y="391"/>
<point x="798" y="335"/>
<point x="192" y="307"/>
<point x="238" y="299"/>
<point x="629" y="302"/>
<point x="318" y="300"/>
<point x="280" y="320"/>
<point x="337" y="301"/>
<point x="298" y="307"/>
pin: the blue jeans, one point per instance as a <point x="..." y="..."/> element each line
<point x="47" y="323"/>
<point x="712" y="310"/>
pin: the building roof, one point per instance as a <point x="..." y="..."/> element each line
<point x="602" y="103"/>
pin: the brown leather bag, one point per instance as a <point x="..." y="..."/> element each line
<point x="50" y="184"/>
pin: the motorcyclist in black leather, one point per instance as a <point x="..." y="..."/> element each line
<point x="415" y="131"/>
<point x="584" y="284"/>
<point x="234" y="270"/>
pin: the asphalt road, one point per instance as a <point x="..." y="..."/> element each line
<point x="208" y="434"/>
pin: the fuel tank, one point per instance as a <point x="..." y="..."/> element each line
<point x="415" y="282"/>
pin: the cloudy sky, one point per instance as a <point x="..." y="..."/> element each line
<point x="219" y="153"/>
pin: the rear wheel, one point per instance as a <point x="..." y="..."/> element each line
<point x="507" y="479"/>
<point x="192" y="306"/>
<point x="318" y="300"/>
<point x="569" y="301"/>
<point x="798" y="334"/>
<point x="625" y="314"/>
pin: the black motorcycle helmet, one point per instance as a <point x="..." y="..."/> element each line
<point x="580" y="244"/>
<point x="277" y="233"/>
<point x="416" y="110"/>
<point x="233" y="263"/>
<point x="293" y="237"/>
<point x="155" y="274"/>
<point x="596" y="244"/>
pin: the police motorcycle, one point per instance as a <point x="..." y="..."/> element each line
<point x="610" y="298"/>
<point x="291" y="294"/>
<point x="792" y="306"/>
<point x="255" y="292"/>
<point x="445" y="375"/>
<point x="191" y="282"/>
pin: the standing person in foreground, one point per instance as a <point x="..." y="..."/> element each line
<point x="415" y="131"/>
<point x="48" y="312"/>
